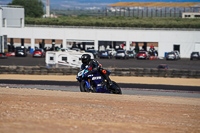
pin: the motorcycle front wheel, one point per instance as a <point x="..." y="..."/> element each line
<point x="83" y="87"/>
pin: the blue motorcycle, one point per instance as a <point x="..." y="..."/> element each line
<point x="92" y="81"/>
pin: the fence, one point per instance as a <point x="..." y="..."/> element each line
<point x="138" y="72"/>
<point x="130" y="11"/>
<point x="149" y="11"/>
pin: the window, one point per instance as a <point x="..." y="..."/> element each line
<point x="21" y="22"/>
<point x="64" y="58"/>
<point x="51" y="58"/>
<point x="187" y="16"/>
<point x="177" y="47"/>
<point x="196" y="16"/>
<point x="1" y="46"/>
<point x="4" y="22"/>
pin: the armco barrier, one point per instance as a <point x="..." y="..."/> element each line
<point x="138" y="72"/>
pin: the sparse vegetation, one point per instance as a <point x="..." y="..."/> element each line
<point x="147" y="22"/>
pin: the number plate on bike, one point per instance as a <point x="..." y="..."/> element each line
<point x="96" y="78"/>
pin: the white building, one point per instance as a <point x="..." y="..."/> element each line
<point x="191" y="15"/>
<point x="166" y="40"/>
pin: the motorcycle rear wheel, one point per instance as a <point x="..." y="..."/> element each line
<point x="115" y="89"/>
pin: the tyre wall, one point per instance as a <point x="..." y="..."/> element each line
<point x="137" y="72"/>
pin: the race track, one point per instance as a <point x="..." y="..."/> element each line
<point x="127" y="88"/>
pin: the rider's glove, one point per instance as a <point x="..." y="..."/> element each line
<point x="99" y="66"/>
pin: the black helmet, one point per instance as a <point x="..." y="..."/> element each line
<point x="85" y="59"/>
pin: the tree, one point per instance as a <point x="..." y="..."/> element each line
<point x="33" y="8"/>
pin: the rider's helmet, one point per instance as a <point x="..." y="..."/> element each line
<point x="85" y="59"/>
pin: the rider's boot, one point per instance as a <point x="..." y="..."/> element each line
<point x="109" y="82"/>
<point x="106" y="76"/>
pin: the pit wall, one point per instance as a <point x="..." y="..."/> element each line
<point x="137" y="72"/>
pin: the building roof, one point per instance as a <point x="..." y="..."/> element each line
<point x="155" y="4"/>
<point x="10" y="6"/>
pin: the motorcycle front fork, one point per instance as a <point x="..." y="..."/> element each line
<point x="90" y="86"/>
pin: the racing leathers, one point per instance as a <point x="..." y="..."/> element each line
<point x="96" y="66"/>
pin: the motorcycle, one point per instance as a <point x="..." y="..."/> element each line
<point x="95" y="83"/>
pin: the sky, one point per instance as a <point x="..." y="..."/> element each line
<point x="93" y="4"/>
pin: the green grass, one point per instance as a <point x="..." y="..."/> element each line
<point x="146" y="22"/>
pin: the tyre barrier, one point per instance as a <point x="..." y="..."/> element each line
<point x="137" y="72"/>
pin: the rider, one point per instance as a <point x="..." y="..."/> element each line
<point x="95" y="66"/>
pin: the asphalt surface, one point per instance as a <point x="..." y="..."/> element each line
<point x="127" y="89"/>
<point x="122" y="85"/>
<point x="119" y="63"/>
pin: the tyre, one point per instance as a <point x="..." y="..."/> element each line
<point x="83" y="86"/>
<point x="115" y="89"/>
